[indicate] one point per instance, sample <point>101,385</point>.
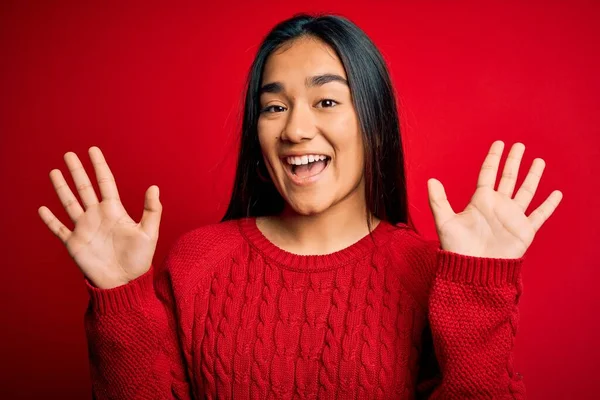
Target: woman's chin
<point>308,207</point>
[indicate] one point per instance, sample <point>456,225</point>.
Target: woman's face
<point>308,129</point>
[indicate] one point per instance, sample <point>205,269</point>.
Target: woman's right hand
<point>109,247</point>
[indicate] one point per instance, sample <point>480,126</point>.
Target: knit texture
<point>228,313</point>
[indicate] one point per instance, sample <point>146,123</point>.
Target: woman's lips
<point>307,180</point>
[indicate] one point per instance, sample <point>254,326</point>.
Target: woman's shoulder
<point>414,259</point>
<point>406,239</point>
<point>197,252</point>
<point>208,241</point>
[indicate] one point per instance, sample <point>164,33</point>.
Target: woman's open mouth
<point>305,169</point>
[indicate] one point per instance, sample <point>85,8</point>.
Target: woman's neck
<point>332,230</point>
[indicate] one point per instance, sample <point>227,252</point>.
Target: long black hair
<point>375,103</point>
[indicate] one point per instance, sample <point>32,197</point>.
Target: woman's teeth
<point>302,160</point>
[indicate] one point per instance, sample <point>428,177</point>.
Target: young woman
<point>315,284</point>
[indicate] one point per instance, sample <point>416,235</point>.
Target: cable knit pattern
<point>230,314</point>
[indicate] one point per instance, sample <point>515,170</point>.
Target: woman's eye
<point>325,103</point>
<point>328,103</point>
<point>269,108</point>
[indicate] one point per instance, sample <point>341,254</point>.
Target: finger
<point>65,195</point>
<point>438,202</point>
<point>81,179</point>
<point>511,170</point>
<point>104,176</point>
<point>528,188</point>
<point>55,226</point>
<point>489,168</point>
<point>545,210</point>
<point>152,212</point>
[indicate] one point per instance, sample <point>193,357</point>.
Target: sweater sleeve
<point>133,340</point>
<point>473,318</point>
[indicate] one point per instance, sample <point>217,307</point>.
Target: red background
<point>158,88</point>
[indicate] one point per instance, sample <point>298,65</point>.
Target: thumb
<point>152,212</point>
<point>438,202</point>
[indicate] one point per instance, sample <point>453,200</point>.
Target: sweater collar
<point>312,263</point>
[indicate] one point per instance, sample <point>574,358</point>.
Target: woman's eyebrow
<point>311,81</point>
<point>319,80</point>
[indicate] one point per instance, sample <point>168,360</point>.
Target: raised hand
<point>494,223</point>
<point>109,247</point>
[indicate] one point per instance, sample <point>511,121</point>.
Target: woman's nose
<point>299,125</point>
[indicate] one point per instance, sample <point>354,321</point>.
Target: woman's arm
<point>473,318</point>
<point>133,340</point>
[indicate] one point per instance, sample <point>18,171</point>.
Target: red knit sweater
<point>230,314</point>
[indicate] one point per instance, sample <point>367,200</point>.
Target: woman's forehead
<point>302,58</point>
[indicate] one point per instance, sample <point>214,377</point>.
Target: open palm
<point>494,223</point>
<point>109,247</point>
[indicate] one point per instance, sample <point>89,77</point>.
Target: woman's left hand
<point>494,224</point>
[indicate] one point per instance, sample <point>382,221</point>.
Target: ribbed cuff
<point>478,270</point>
<point>123,297</point>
